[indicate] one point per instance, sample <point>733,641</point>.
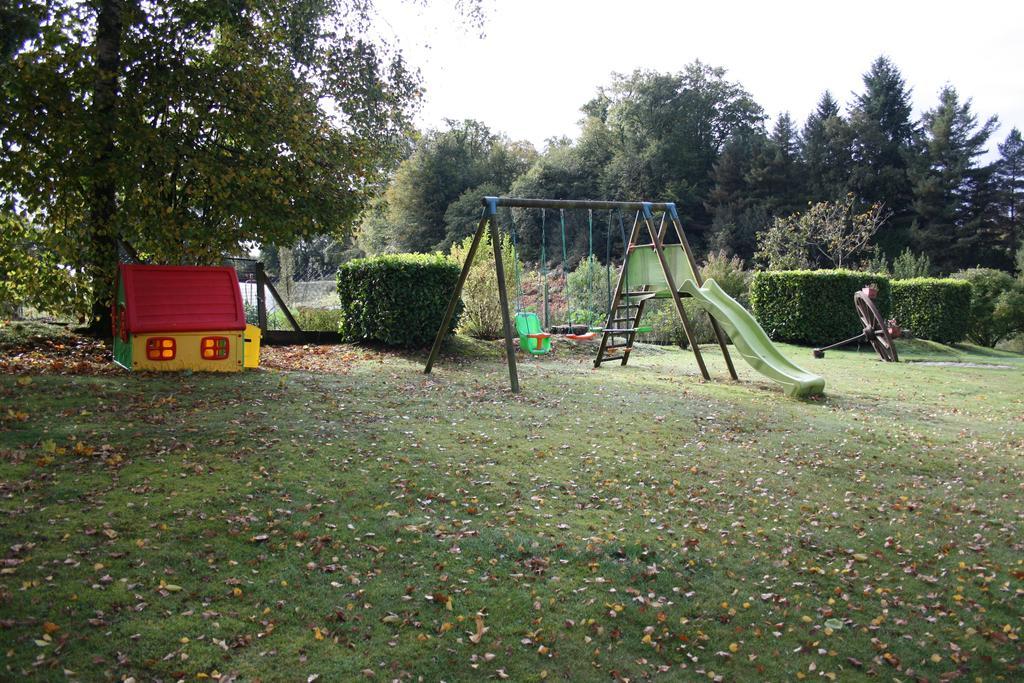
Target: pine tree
<point>825,148</point>
<point>785,171</point>
<point>954,197</point>
<point>884,137</point>
<point>1010,181</point>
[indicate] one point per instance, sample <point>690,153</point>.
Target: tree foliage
<point>827,151</point>
<point>997,305</point>
<point>31,275</point>
<point>481,312</point>
<point>827,234</point>
<point>948,182</point>
<point>882,139</point>
<point>1010,180</point>
<point>188,128</point>
<point>910,265</point>
<point>457,165</point>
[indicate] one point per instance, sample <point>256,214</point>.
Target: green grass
<point>628,522</point>
<point>20,332</point>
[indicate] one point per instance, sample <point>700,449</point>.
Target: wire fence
<point>286,295</point>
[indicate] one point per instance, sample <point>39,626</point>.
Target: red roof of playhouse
<point>181,298</point>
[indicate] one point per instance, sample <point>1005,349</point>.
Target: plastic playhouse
<point>182,318</point>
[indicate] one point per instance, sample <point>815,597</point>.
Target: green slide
<point>751,341</point>
<point>644,269</point>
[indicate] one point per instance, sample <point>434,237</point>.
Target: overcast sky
<point>540,60</point>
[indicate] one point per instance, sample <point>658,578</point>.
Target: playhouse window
<point>160,348</point>
<point>214,348</point>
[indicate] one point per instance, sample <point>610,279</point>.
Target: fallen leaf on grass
<point>480,629</point>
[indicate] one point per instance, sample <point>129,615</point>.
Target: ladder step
<point>622,320</point>
<point>621,330</point>
<point>640,246</point>
<point>634,294</point>
<point>625,348</point>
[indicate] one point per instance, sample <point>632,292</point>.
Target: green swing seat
<point>532,338</point>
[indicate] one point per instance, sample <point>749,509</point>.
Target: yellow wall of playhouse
<point>252,346</point>
<point>188,354</point>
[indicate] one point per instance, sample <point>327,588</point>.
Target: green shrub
<point>320,319</point>
<point>908,265</point>
<point>729,274</point>
<point>932,308</point>
<point>812,306</point>
<point>661,316</point>
<point>396,299</point>
<point>997,305</point>
<point>587,292</point>
<point>481,313</point>
<point>667,329</point>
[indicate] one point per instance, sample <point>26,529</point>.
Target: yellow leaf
<point>734,647</point>
<point>318,634</point>
<point>50,628</point>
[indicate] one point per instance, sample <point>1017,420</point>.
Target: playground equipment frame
<point>644,209</point>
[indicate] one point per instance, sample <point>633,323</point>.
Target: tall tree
<point>954,195</point>
<point>739,202</point>
<point>1010,179</point>
<point>186,128</point>
<point>463,159</point>
<point>883,137</point>
<point>826,151</point>
<point>667,131</point>
<point>784,174</point>
<point>567,171</point>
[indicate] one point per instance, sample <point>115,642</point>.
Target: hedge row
<point>398,299</point>
<point>812,306</point>
<point>933,308</point>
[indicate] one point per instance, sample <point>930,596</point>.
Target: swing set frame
<point>645,218</point>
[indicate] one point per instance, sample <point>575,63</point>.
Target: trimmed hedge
<point>933,308</point>
<point>397,299</point>
<point>812,306</point>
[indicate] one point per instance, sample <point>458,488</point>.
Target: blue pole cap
<point>672,211</point>
<point>646,208</point>
<point>492,205</point>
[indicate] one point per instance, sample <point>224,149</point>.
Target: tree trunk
<point>102,200</point>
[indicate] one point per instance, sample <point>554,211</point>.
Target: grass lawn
<point>375,523</point>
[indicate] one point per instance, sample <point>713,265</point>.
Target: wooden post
<point>499,269</point>
<point>677,224</point>
<point>453,302</point>
<point>283,306</point>
<point>648,218</point>
<point>620,285</point>
<point>261,297</point>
